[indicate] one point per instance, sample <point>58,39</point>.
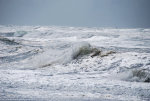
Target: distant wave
<point>8,41</point>
<point>13,34</point>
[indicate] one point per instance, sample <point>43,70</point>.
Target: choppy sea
<point>74,63</point>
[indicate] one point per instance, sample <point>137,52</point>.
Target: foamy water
<point>74,63</point>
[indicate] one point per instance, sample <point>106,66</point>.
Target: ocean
<point>74,63</point>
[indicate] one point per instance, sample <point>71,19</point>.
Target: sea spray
<point>53,56</point>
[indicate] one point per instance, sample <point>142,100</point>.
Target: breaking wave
<point>65,55</point>
<point>136,75</point>
<point>142,75</point>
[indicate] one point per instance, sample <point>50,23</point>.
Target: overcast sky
<point>87,13</point>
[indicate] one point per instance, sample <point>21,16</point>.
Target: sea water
<point>74,63</point>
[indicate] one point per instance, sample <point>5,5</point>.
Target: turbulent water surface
<point>68,63</point>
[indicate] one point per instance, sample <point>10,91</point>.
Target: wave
<point>14,34</point>
<point>7,34</point>
<point>80,50</point>
<point>8,41</point>
<point>75,51</point>
<point>142,75</point>
<point>135,75</point>
<point>20,33</point>
<point>61,56</point>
